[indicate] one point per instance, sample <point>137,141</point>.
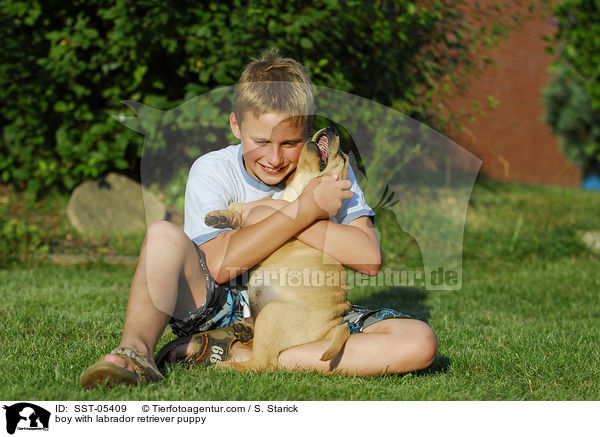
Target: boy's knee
<point>414,345</point>
<point>164,229</point>
<point>426,345</point>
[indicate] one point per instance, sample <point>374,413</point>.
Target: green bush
<point>19,241</point>
<point>66,66</point>
<point>570,113</point>
<point>572,99</point>
<point>578,43</point>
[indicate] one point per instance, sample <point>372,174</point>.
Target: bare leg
<point>387,347</point>
<point>168,280</point>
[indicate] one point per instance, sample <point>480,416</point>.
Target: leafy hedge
<point>572,98</point>
<point>19,241</point>
<point>66,66</point>
<point>578,42</point>
<point>570,113</point>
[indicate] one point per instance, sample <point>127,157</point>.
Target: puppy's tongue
<point>324,147</point>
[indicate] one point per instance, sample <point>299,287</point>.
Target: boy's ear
<point>235,126</point>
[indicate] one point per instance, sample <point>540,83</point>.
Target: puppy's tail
<point>338,335</point>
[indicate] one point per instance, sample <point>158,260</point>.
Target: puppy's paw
<point>222,218</point>
<point>224,366</point>
<point>227,366</point>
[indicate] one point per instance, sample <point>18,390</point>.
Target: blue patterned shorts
<point>224,305</point>
<point>358,318</point>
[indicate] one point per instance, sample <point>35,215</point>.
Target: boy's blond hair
<point>273,83</point>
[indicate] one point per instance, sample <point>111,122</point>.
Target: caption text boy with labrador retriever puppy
<point>183,278</point>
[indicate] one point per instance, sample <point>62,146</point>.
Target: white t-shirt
<point>218,178</point>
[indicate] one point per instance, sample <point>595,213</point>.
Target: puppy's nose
<point>333,130</point>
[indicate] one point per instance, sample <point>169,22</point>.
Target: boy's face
<point>271,144</point>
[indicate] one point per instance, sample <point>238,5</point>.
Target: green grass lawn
<point>526,324</point>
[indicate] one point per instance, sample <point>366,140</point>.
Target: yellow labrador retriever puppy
<point>298,293</point>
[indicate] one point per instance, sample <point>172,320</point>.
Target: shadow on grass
<point>441,364</point>
<point>410,301</point>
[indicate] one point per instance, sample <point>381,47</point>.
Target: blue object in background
<point>591,177</point>
<point>591,182</point>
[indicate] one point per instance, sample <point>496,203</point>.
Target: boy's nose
<point>275,157</point>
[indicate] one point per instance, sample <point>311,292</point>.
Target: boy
<point>182,277</point>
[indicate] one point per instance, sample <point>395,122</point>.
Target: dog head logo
<point>26,416</point>
<point>416,177</point>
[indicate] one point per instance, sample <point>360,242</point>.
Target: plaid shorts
<point>228,303</point>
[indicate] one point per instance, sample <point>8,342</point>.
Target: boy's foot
<point>137,368</point>
<point>205,348</point>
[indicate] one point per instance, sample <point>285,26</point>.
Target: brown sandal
<point>210,347</point>
<point>104,372</point>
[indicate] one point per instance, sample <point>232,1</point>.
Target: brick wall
<point>513,141</point>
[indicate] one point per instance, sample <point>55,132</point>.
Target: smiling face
<point>271,144</point>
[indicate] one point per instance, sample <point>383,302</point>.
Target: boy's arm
<point>230,253</point>
<point>355,245</point>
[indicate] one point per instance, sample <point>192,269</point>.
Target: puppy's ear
<point>290,177</point>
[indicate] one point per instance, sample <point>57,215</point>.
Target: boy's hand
<point>323,196</point>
